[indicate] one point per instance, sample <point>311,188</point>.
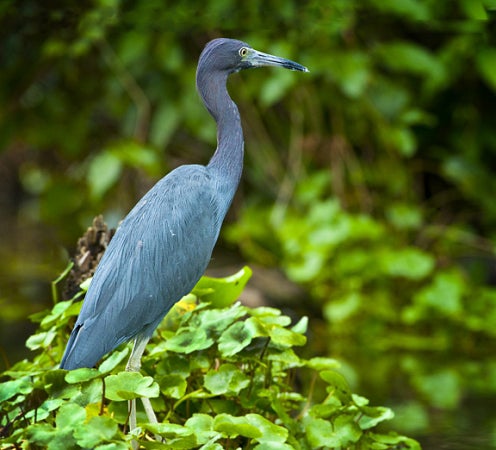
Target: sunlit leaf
<point>80,375</point>
<point>283,336</point>
<point>113,360</point>
<point>222,292</point>
<point>129,385</point>
<point>232,426</point>
<point>41,340</point>
<point>14,387</point>
<point>270,432</point>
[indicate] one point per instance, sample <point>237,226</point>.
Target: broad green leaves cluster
<point>381,292</point>
<point>352,264</point>
<point>380,163</point>
<point>222,376</point>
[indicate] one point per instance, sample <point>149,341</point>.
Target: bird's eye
<point>243,51</point>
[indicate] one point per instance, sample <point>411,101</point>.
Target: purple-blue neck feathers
<point>227,162</point>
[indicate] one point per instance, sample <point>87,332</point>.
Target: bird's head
<point>231,55</point>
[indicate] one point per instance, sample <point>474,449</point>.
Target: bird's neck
<point>227,161</point>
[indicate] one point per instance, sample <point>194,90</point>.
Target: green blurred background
<point>368,196</point>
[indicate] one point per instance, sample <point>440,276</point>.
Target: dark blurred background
<point>368,197</point>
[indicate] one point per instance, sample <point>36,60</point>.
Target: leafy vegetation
<point>219,376</point>
<point>369,182</point>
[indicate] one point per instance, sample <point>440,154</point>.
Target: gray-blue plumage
<point>164,244</point>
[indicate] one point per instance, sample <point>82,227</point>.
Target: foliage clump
<point>219,375</point>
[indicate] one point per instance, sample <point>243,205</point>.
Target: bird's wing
<point>157,255</point>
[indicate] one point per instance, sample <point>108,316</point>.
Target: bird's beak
<point>259,59</point>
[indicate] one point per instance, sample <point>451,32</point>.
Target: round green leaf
<point>188,340</point>
<point>70,415</point>
<point>228,378</point>
<point>232,426</point>
<point>235,339</point>
<point>222,292</point>
<point>80,375</point>
<point>99,429</point>
<point>129,385</point>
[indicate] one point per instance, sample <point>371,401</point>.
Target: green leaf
<point>70,416</point>
<point>202,425</point>
<point>164,123</point>
<point>9,389</point>
<point>217,320</point>
<point>188,340</point>
<point>275,86</point>
<point>342,432</point>
<point>301,327</point>
<point>444,294</point>
<point>411,58</point>
<point>410,263</point>
<point>99,429</point>
<point>271,433</point>
<point>232,427</point>
<point>351,71</point>
<point>51,438</point>
<point>338,386</point>
<point>44,410</point>
<point>411,10</point>
<point>227,379</point>
<point>343,308</point>
<point>393,439</point>
<point>57,311</point>
<point>320,363</point>
<point>172,385</point>
<point>235,339</point>
<point>403,140</point>
<point>129,385</point>
<point>113,446</point>
<point>443,389</point>
<point>486,63</point>
<point>103,173</point>
<point>222,292</point>
<point>90,392</point>
<point>80,375</point>
<point>285,337</point>
<point>273,446</point>
<point>211,446</point>
<point>371,416</point>
<point>41,340</point>
<point>113,360</point>
<point>405,216</point>
<point>168,430</point>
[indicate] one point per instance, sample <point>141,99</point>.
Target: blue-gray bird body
<point>163,246</point>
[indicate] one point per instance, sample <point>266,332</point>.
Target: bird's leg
<point>134,362</point>
<point>134,365</point>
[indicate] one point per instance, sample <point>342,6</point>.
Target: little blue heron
<point>163,246</point>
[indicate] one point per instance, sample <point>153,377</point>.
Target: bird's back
<point>157,255</point>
